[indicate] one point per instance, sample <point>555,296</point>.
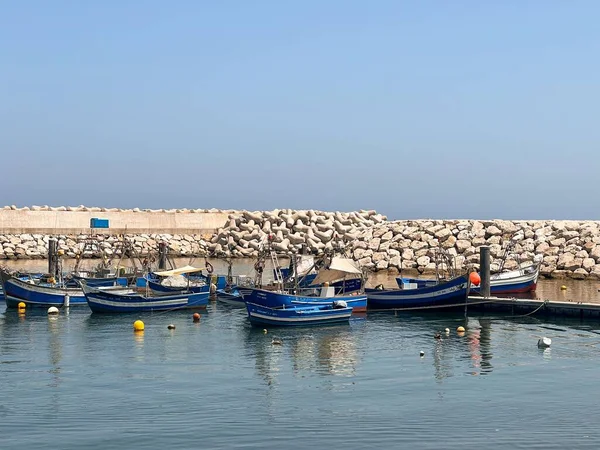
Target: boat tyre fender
<point>209,267</point>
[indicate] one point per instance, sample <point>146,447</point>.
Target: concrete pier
<point>534,307</point>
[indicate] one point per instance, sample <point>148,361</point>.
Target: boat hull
<point>444,295</point>
<point>296,316</point>
<point>513,282</point>
<point>271,299</point>
<point>105,302</point>
<point>232,297</point>
<point>17,291</point>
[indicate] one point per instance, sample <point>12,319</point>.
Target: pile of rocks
<point>570,248</point>
<point>31,246</point>
<point>291,231</point>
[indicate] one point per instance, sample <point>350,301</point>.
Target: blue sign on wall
<point>98,223</point>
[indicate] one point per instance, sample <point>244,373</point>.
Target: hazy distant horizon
<point>462,110</point>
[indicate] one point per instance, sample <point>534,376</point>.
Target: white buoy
<point>53,310</point>
<point>544,342</point>
<point>67,300</point>
<point>447,330</point>
<point>421,353</point>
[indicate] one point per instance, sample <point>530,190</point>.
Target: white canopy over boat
<point>339,269</point>
<point>178,271</point>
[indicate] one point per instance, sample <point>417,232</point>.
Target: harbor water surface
<point>83,380</point>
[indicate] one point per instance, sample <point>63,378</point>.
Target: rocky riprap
<point>568,248</point>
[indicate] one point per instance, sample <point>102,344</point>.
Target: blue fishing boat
<point>175,280</point>
<point>451,293</point>
<point>510,282</point>
<point>231,296</point>
<point>274,299</point>
<point>335,269</point>
<point>38,293</point>
<point>334,312</point>
<point>102,301</point>
<point>305,271</point>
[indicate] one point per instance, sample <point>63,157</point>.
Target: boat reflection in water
<point>329,351</point>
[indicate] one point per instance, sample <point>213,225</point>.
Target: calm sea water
<point>83,380</point>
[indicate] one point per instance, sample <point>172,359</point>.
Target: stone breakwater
<point>568,248</point>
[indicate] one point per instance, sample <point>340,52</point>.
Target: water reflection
<point>330,351</point>
<point>54,350</point>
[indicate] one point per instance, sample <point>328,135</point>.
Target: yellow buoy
<point>21,305</point>
<point>563,288</point>
<point>460,330</point>
<point>138,325</point>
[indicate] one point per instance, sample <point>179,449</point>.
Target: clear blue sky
<point>441,109</point>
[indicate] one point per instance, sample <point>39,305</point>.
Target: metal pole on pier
<point>484,270</point>
<point>52,258</point>
<point>162,255</point>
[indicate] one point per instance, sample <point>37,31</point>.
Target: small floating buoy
<point>196,317</point>
<point>460,329</point>
<point>474,278</point>
<point>447,330</point>
<point>21,305</point>
<point>265,331</point>
<point>276,342</point>
<point>421,353</point>
<point>53,310</point>
<point>437,336</point>
<point>544,342</point>
<point>563,288</point>
<point>138,325</point>
<point>171,326</point>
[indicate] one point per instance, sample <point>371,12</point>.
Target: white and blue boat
<point>336,269</point>
<point>334,312</point>
<point>103,301</point>
<point>511,282</point>
<point>175,280</point>
<point>232,296</point>
<point>36,293</point>
<point>443,295</point>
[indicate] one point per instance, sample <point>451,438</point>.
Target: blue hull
<point>231,297</point>
<point>443,295</point>
<point>296,316</point>
<point>17,291</point>
<point>104,302</point>
<point>275,299</point>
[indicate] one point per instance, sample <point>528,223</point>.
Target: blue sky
<point>418,109</point>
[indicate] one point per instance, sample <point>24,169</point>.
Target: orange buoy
<point>196,317</point>
<point>474,278</point>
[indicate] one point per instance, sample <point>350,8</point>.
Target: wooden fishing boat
<point>333,269</point>
<point>102,301</point>
<point>296,315</point>
<point>38,293</point>
<point>175,280</point>
<point>443,295</point>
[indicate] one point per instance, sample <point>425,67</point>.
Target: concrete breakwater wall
<point>568,248</point>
